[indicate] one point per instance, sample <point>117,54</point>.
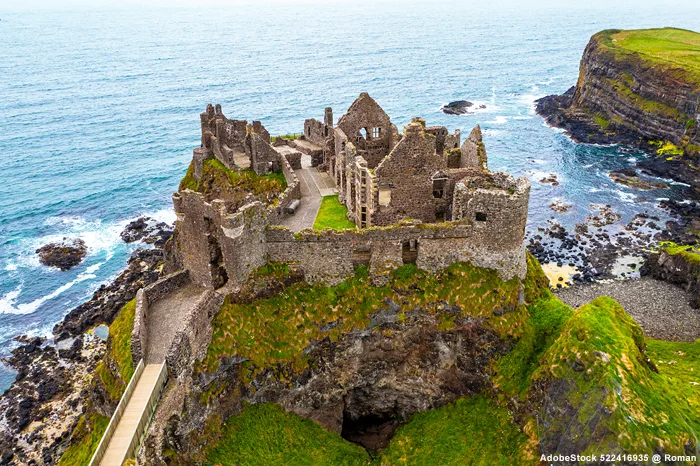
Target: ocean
<point>99,111</point>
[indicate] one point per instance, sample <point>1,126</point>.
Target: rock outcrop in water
<point>64,254</point>
<point>641,89</point>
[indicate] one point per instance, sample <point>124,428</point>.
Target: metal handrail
<point>116,417</point>
<point>147,413</point>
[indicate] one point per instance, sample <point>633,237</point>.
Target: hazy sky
<point>20,5</point>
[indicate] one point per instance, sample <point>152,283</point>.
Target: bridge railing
<point>117,416</point>
<point>148,412</point>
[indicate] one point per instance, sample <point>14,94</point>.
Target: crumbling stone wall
<point>366,116</point>
<point>235,143</point>
<point>407,171</point>
<point>330,256</point>
<point>218,246</point>
<point>264,158</point>
<point>276,213</point>
<point>316,131</point>
<point>473,151</point>
<point>493,202</point>
<point>144,297</point>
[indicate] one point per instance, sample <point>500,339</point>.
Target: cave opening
<point>372,432</point>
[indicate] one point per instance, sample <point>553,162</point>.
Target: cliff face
<point>637,88</point>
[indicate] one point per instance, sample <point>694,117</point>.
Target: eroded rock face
<point>362,386</point>
<point>677,269</point>
<point>621,99</point>
<point>64,254</point>
<point>368,383</point>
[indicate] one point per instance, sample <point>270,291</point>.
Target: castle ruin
<point>419,197</point>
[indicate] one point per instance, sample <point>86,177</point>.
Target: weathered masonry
<point>421,196</point>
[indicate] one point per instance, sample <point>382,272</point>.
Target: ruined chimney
<point>328,117</point>
<point>413,129</point>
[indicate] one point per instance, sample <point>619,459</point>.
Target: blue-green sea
<point>99,110</point>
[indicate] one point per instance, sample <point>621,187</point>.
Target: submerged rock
<point>629,177</point>
<point>64,254</point>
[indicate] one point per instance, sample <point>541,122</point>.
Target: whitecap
<point>556,129</point>
<point>522,117</point>
<point>499,120</point>
<point>625,196</point>
<point>11,266</point>
<point>164,215</point>
<point>8,303</point>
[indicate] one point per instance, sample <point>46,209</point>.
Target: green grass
<point>332,214</point>
<point>691,254</point>
<point>85,439</point>
<point>219,182</point>
<point>601,121</point>
<point>470,431</point>
<point>262,331</point>
<point>288,137</point>
<point>117,367</point>
<point>664,47</point>
<point>616,397</point>
<point>547,317</point>
<point>266,435</point>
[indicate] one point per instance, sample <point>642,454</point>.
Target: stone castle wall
<point>316,131</point>
<point>330,256</point>
<point>144,297</point>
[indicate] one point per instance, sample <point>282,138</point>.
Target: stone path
<point>124,434</point>
<point>661,309</point>
<point>165,317</point>
<point>314,185</point>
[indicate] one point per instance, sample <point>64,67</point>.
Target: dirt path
<point>165,318</point>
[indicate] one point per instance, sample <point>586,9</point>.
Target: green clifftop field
<point>664,47</point>
<point>638,88</point>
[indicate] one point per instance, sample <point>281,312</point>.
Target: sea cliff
<point>638,88</point>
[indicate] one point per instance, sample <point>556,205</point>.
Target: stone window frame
<point>376,132</point>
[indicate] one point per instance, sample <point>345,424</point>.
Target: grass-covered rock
<point>637,88</point>
<point>233,185</point>
<point>677,264</point>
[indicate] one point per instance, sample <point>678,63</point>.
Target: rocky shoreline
<point>52,389</point>
<point>640,100</point>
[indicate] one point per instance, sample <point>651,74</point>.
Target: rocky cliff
<point>638,88</point>
<point>445,368</point>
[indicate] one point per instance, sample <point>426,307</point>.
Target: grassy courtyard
<point>332,214</point>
